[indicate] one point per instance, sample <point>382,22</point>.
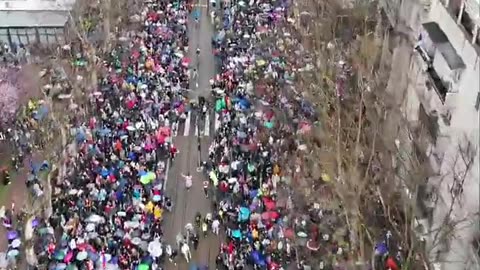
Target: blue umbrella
<point>93,256</point>
<point>243,214</point>
<point>104,132</point>
<point>381,249</point>
<point>12,235</point>
<point>244,104</point>
<point>258,258</point>
<point>237,234</point>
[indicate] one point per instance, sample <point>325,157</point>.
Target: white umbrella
<point>90,227</point>
<point>72,192</point>
<point>136,241</point>
<point>131,128</point>
<point>155,248</point>
<point>95,219</point>
<point>16,243</point>
<point>13,253</point>
<point>3,260</point>
<point>82,256</point>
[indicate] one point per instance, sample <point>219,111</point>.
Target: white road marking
<point>167,169</point>
<point>217,121</point>
<point>206,131</point>
<point>186,131</point>
<point>196,128</point>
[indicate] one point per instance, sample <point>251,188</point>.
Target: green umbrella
<point>143,267</point>
<point>269,125</point>
<point>251,168</point>
<point>147,178</point>
<point>218,105</point>
<point>59,255</point>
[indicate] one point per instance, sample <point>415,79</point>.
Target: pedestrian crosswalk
<point>197,125</point>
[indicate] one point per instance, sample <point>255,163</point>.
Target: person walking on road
<point>188,181</point>
<point>205,188</point>
<point>215,226</point>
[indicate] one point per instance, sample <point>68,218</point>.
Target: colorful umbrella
<point>147,178</point>
<point>143,267</point>
<point>12,235</point>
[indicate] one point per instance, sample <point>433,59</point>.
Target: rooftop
<point>34,13</point>
<point>35,5</point>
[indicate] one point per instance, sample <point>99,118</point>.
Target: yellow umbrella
<point>214,178</point>
<point>261,62</point>
<point>147,178</point>
<point>326,177</point>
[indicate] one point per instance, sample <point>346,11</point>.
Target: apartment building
<point>443,98</point>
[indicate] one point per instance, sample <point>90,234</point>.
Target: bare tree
<point>363,142</point>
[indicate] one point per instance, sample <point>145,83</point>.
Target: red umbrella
<point>165,131</point>
<point>186,61</point>
<point>305,127</point>
<point>269,204</point>
<point>289,233</point>
<point>270,215</point>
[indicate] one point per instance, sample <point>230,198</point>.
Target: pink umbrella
<point>186,61</point>
<point>304,127</point>
<point>270,215</point>
<point>68,257</point>
<point>269,204</point>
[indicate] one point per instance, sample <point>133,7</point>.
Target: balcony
<point>460,22</point>
<point>444,66</point>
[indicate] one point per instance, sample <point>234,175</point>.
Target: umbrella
<point>136,241</point>
<point>90,227</point>
<point>269,204</point>
<point>12,235</point>
<point>155,248</point>
<point>270,215</point>
<point>3,260</point>
<point>16,243</point>
<point>147,178</point>
<point>258,258</point>
<point>81,256</point>
<point>60,266</point>
<point>13,253</point>
<point>93,255</point>
<point>95,219</point>
<point>244,214</point>
<point>269,124</point>
<point>35,223</point>
<point>143,267</point>
<point>59,255</point>
<point>313,245</point>
<point>186,61</point>
<point>156,198</point>
<point>237,234</point>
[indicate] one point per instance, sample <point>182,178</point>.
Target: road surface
<point>188,203</point>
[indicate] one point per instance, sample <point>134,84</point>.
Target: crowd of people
<point>109,206</point>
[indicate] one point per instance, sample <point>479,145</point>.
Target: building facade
<point>443,98</point>
<point>33,21</point>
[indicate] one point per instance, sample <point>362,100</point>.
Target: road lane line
<point>196,128</point>
<point>206,131</point>
<point>217,121</point>
<point>186,131</point>
<point>167,169</point>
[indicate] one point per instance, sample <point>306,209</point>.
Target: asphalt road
<point>188,203</point>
